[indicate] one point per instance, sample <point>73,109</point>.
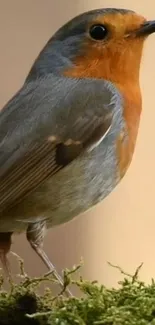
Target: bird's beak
<point>146,29</point>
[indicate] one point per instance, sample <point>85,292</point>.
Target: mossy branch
<point>133,303</point>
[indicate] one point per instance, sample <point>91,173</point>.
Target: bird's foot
<point>52,270</point>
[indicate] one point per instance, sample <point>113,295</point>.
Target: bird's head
<point>103,43</point>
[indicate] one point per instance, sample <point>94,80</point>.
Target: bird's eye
<point>98,32</point>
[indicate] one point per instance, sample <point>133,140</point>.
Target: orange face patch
<point>121,25</point>
<point>115,58</point>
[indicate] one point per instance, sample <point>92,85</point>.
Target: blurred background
<point>122,228</point>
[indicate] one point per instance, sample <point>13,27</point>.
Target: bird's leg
<point>5,245</point>
<point>35,236</point>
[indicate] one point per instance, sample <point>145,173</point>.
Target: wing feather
<point>47,125</point>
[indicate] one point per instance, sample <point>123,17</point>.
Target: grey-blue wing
<point>47,125</point>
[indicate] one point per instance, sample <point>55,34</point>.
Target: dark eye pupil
<point>98,32</point>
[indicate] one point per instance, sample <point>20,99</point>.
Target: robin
<point>68,135</point>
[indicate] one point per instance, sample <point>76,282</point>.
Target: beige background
<point>122,228</point>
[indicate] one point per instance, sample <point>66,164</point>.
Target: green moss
<point>132,303</point>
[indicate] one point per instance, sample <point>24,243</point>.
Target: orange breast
<point>129,88</point>
<point>132,112</point>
